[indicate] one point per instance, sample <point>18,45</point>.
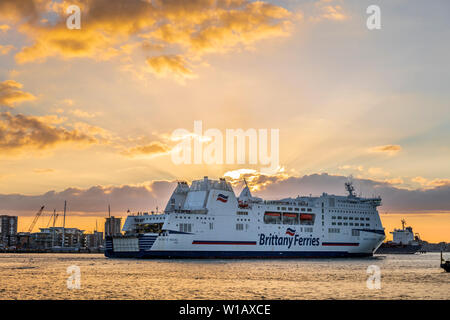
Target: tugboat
<point>404,242</point>
<point>445,264</point>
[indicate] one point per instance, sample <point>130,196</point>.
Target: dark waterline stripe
<point>224,242</point>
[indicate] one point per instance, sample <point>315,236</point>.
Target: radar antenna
<point>350,188</point>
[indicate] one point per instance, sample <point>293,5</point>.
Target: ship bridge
<point>202,196</point>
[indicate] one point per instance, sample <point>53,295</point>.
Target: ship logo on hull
<point>290,231</point>
<point>222,197</point>
<point>294,239</point>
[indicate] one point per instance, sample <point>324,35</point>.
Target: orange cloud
<point>5,49</point>
<point>83,114</point>
<point>389,149</point>
<point>329,10</point>
<point>333,13</point>
<point>425,183</point>
<point>255,180</point>
<point>11,10</point>
<point>151,149</point>
<point>10,93</point>
<point>4,27</point>
<point>20,133</point>
<point>61,42</point>
<point>188,28</point>
<point>170,65</point>
<point>394,181</point>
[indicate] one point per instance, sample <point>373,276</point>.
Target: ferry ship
<point>404,242</point>
<point>206,220</point>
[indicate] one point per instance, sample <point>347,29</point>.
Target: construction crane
<point>38,214</point>
<point>54,216</point>
<point>54,220</point>
<point>51,217</point>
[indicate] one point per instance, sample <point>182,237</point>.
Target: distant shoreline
<point>48,251</point>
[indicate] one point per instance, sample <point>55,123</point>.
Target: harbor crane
<point>54,216</point>
<point>54,220</point>
<point>38,214</point>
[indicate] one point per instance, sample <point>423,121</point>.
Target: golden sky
<point>87,114</point>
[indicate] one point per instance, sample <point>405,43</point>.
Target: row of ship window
<point>350,211</point>
<point>349,218</point>
<point>197,218</point>
<point>349,224</point>
<point>187,227</point>
<point>151,218</point>
<point>294,209</point>
<point>337,230</point>
<point>352,205</point>
<point>240,227</point>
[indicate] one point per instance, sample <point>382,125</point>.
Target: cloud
<point>5,49</point>
<point>333,13</point>
<point>426,183</point>
<point>393,198</point>
<point>377,172</point>
<point>329,10</point>
<point>389,149</point>
<point>351,167</point>
<point>11,93</point>
<point>151,149</point>
<point>4,27</point>
<point>20,133</point>
<point>68,102</point>
<point>165,66</point>
<point>395,181</point>
<point>83,114</point>
<point>13,10</point>
<point>186,29</point>
<point>147,195</point>
<point>255,179</point>
<point>95,199</point>
<point>236,174</point>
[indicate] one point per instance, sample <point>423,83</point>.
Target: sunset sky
<point>87,115</point>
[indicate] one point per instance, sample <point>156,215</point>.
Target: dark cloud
<point>22,9</point>
<point>95,200</point>
<point>394,199</point>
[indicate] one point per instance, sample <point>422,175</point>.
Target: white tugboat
<point>206,220</point>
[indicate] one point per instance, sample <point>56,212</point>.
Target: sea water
<point>45,276</point>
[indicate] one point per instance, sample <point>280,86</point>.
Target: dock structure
<point>445,264</point>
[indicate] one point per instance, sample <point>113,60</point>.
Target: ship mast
<point>64,225</point>
<point>350,189</point>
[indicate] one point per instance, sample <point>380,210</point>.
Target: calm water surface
<point>43,276</point>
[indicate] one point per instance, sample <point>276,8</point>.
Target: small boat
<point>445,264</point>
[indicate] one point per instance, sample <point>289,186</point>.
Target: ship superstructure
<point>404,241</point>
<point>207,220</point>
